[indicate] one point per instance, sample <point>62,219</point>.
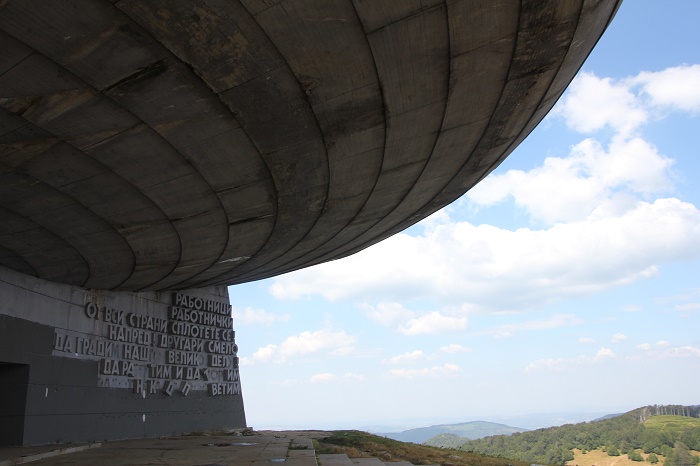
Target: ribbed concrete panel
<point>178,143</point>
<point>565,26</point>
<point>28,244</point>
<point>331,59</point>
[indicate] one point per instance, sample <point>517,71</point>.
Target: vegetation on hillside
<point>454,435</point>
<point>648,429</point>
<point>446,441</point>
<point>358,444</point>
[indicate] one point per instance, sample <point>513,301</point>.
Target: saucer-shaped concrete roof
<point>168,144</point>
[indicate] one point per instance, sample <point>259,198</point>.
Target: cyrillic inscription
<point>190,348</point>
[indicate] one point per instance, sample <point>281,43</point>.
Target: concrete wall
<point>81,365</point>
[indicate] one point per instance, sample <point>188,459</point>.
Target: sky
<point>568,281</point>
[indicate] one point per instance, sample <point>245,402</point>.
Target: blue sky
<point>567,281</point>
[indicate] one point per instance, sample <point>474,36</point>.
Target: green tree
<point>634,456</point>
<point>681,456</point>
<point>652,458</point>
<point>613,451</point>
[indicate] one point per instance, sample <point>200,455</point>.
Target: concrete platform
<point>289,448</point>
<point>284,448</point>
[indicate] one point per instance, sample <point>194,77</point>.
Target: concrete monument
<point>153,153</point>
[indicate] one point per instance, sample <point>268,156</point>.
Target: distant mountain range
<point>466,430</point>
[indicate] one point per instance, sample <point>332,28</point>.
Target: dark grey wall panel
<point>78,365</point>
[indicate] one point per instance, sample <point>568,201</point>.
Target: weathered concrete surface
<point>173,144</point>
<point>264,447</point>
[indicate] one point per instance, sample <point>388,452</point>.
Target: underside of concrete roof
<point>171,144</point>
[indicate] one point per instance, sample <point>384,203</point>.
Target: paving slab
<point>261,448</point>
<point>334,459</point>
<point>368,462</point>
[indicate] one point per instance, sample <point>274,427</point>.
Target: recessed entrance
<point>13,401</point>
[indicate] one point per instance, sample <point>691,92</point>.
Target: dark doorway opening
<point>14,379</point>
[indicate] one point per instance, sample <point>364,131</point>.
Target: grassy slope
<point>358,444</point>
<point>664,422</point>
<point>671,422</point>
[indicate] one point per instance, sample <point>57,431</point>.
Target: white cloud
<point>436,371</point>
<point>558,364</point>
<point>490,268</point>
<point>562,364</point>
<point>592,103</point>
<point>677,87</point>
<point>664,350</point>
<point>687,308</point>
<point>410,356</point>
<point>591,179</point>
<point>684,351</point>
<point>586,340</point>
<point>250,316</point>
<point>387,314</point>
<point>327,341</point>
<point>555,321</point>
<point>433,323</point>
<point>325,377</point>
<point>329,377</point>
<point>631,308</point>
<point>410,322</point>
<point>604,353</point>
<point>618,337</point>
<point>454,348</point>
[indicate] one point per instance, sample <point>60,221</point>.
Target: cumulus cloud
<point>325,377</point>
<point>684,351</point>
<point>405,357</point>
<point>604,353</point>
<point>409,322</point>
<point>454,348</point>
<point>562,364</point>
<point>591,179</point>
<point>387,314</point>
<point>687,309</point>
<point>618,337</point>
<point>250,316</point>
<point>485,267</point>
<point>435,371</point>
<point>592,103</point>
<point>555,321</point>
<point>552,364</point>
<point>677,87</point>
<point>631,308</point>
<point>665,350</point>
<point>433,323</point>
<point>326,341</point>
<point>329,377</point>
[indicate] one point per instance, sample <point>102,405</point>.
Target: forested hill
<point>667,432</point>
<point>463,431</point>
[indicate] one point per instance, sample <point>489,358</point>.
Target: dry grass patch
<point>601,458</point>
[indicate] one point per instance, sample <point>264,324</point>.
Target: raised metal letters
<point>189,349</point>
